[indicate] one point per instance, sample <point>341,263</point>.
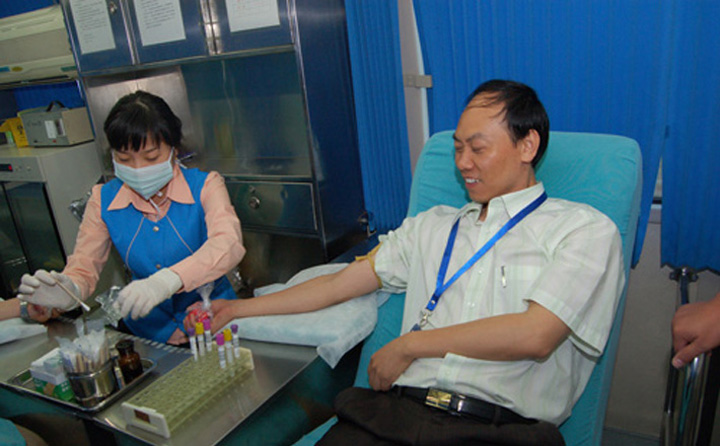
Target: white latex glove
<point>141,296</point>
<point>42,289</point>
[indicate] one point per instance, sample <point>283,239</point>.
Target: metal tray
<point>23,382</point>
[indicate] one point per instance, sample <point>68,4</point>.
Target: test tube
<point>220,339</point>
<point>227,338</point>
<point>235,340</point>
<point>208,335</point>
<point>193,345</point>
<point>235,335</point>
<point>199,330</point>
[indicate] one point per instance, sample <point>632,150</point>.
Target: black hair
<point>139,116</point>
<point>522,108</point>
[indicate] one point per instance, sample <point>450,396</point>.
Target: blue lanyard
<point>441,285</point>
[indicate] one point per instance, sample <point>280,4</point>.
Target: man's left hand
<point>388,363</point>
<point>42,314</point>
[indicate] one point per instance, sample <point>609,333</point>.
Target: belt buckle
<point>438,399</point>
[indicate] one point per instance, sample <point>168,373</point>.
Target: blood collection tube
<point>227,338</point>
<point>193,344</point>
<point>235,335</point>
<point>220,339</point>
<point>199,330</point>
<point>208,335</point>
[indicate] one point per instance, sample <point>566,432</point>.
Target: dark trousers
<point>366,417</point>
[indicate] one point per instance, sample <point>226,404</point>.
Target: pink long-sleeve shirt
<point>222,251</point>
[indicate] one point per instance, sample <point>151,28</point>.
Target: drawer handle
<point>254,202</point>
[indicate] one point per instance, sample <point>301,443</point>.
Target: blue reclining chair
<point>604,171</point>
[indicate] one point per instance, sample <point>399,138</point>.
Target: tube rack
<point>161,407</point>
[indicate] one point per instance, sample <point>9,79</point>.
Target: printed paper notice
<point>159,21</point>
<point>92,25</point>
<point>252,14</point>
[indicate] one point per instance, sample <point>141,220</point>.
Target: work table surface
<point>275,366</point>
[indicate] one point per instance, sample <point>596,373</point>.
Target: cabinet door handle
<point>254,202</point>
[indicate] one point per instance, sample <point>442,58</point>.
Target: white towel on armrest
<point>333,330</point>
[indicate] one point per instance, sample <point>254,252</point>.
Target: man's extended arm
<point>533,334</point>
<point>355,280</point>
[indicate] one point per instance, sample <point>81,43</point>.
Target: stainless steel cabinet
<point>28,237</point>
<point>165,30</point>
<point>274,114</point>
<point>98,34</point>
<point>109,34</point>
<point>229,36</point>
<point>37,186</point>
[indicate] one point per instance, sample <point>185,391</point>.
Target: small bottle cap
<point>191,332</point>
<point>199,329</point>
<point>125,346</point>
<point>220,339</point>
<point>206,324</point>
<point>227,334</point>
<point>234,328</point>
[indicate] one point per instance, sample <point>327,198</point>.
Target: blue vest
<point>157,245</point>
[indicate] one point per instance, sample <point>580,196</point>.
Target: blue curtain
<point>691,161</point>
<point>597,66</point>
<point>374,41</point>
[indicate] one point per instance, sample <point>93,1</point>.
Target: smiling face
<point>486,156</point>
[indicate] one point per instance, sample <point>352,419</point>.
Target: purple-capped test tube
<point>235,335</point>
<point>220,339</point>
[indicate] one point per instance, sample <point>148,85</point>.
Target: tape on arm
<point>370,257</point>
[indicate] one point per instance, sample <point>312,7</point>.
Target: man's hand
<point>224,311</point>
<point>42,314</point>
<point>695,330</point>
<point>388,363</point>
<point>223,308</point>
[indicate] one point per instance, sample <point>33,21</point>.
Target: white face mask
<point>148,180</point>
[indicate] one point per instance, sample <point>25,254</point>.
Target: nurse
<point>174,227</point>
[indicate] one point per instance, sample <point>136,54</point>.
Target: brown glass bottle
<point>128,360</point>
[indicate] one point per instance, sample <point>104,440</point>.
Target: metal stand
<point>692,391</point>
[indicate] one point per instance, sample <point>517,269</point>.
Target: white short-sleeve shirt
<point>564,256</point>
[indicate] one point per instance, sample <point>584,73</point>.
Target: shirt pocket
<point>514,285</point>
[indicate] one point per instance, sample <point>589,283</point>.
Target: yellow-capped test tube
<point>199,331</point>
<point>227,334</point>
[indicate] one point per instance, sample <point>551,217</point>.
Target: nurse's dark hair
<point>522,108</point>
<point>140,116</point>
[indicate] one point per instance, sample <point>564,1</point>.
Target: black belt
<point>462,405</point>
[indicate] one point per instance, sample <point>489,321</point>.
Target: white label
<point>92,25</point>
<point>54,128</point>
<point>159,21</point>
<point>252,14</point>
